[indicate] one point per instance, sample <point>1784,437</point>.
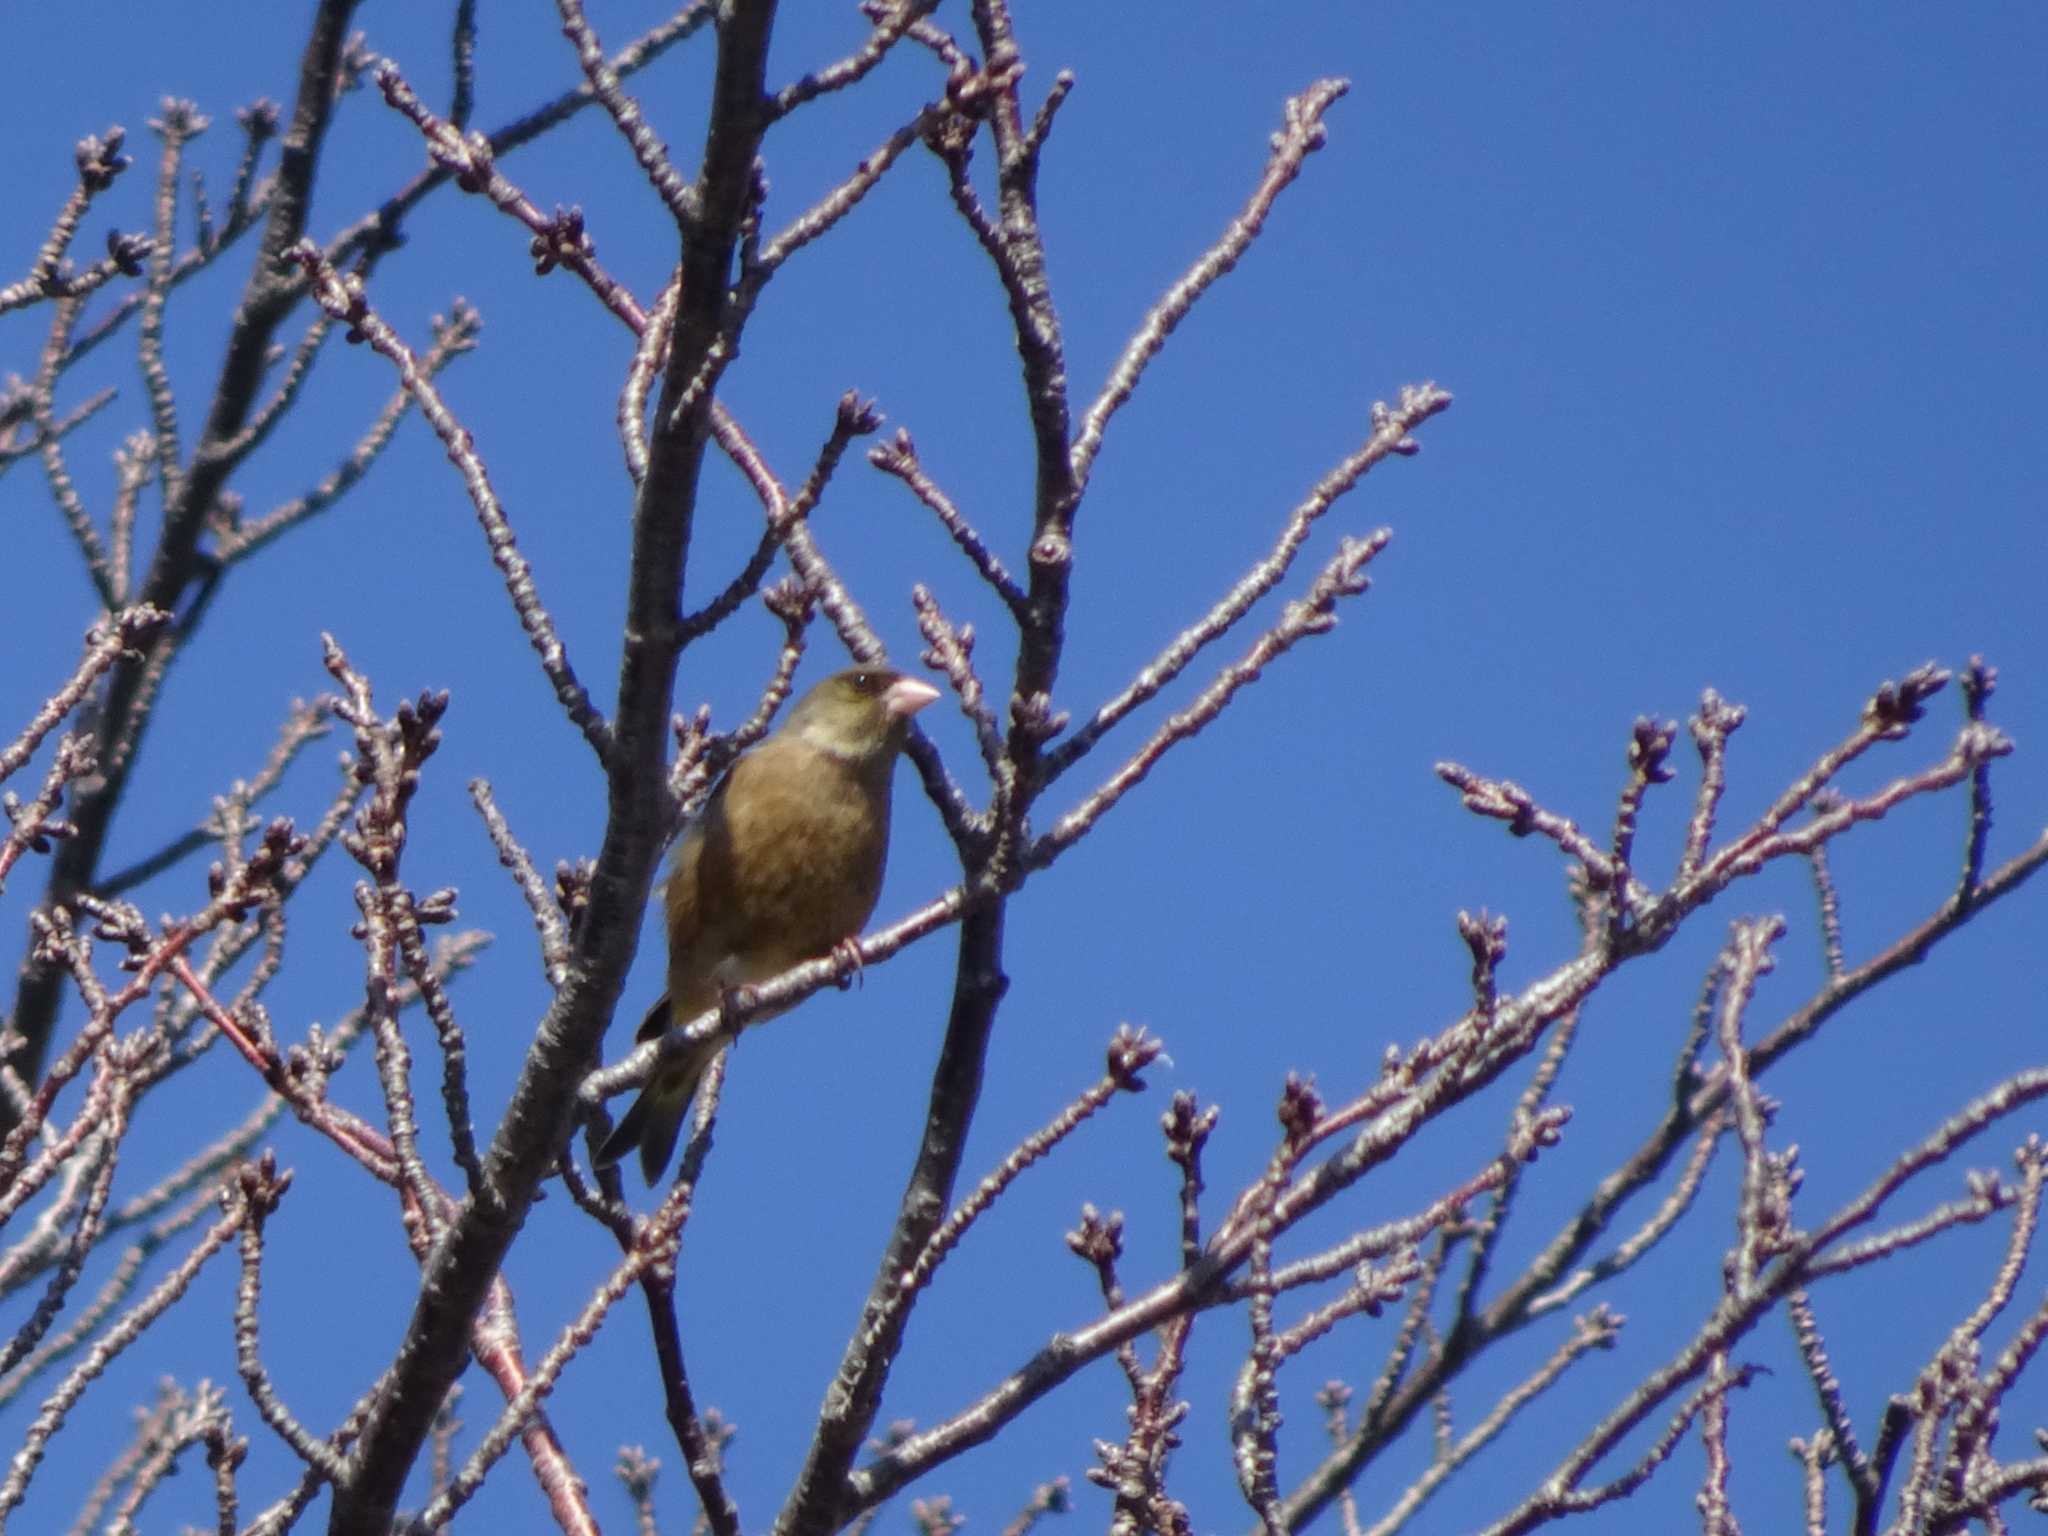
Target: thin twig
<point>343,298</point>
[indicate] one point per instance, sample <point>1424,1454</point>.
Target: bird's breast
<point>786,862</point>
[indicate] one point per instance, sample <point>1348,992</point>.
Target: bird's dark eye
<point>867,682</point>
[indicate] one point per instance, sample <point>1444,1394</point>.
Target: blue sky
<point>1742,310</point>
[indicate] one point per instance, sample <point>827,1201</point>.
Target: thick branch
<point>541,1114</point>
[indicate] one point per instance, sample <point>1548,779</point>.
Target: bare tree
<point>91,1058</point>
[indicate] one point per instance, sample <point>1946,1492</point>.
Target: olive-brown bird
<point>784,865</point>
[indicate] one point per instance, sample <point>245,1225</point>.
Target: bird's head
<point>861,714</point>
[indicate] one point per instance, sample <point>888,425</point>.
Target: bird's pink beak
<point>906,696</point>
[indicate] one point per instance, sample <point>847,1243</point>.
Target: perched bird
<point>784,864</point>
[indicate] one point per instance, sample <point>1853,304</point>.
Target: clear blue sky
<point>1743,310</point>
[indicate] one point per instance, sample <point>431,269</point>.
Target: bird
<point>784,865</point>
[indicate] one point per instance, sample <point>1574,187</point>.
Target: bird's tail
<point>656,1118</point>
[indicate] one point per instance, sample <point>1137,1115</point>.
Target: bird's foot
<point>732,1001</point>
<point>846,955</point>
